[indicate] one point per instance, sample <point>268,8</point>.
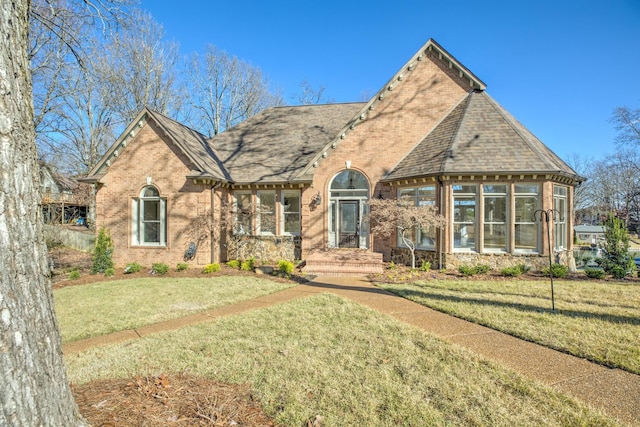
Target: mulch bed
<point>168,400</point>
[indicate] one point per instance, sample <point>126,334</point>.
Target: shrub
<point>468,270</point>
<point>211,268</point>
<point>234,263</point>
<point>109,272</point>
<point>132,267</point>
<point>248,264</point>
<point>286,267</point>
<point>594,273</point>
<point>513,271</point>
<point>618,272</point>
<point>159,268</point>
<point>557,270</point>
<point>102,252</point>
<point>74,274</point>
<point>392,266</point>
<point>482,268</point>
<point>425,266</point>
<point>616,259</point>
<point>182,266</point>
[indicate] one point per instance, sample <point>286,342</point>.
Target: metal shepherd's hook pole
<point>540,215</point>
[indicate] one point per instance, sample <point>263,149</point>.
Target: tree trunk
<point>33,382</point>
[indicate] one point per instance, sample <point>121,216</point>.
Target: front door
<point>349,223</point>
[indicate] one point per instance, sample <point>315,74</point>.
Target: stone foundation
<point>495,261</point>
<point>265,248</point>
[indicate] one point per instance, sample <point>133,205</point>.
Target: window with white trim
<point>243,212</point>
<point>149,218</point>
<point>495,225</point>
<point>266,213</point>
<point>420,196</point>
<point>560,218</point>
<point>464,217</point>
<point>526,228</point>
<point>290,213</point>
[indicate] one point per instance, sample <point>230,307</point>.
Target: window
<point>420,196</point>
<point>494,199</point>
<point>149,218</point>
<point>266,213</point>
<point>526,228</point>
<point>560,217</point>
<point>291,213</point>
<point>243,211</point>
<point>464,217</point>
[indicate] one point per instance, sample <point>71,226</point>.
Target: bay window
<point>420,196</point>
<point>560,216</point>
<point>464,217</point>
<point>495,217</point>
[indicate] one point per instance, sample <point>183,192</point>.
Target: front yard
<point>595,320</point>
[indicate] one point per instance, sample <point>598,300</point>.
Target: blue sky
<point>559,66</point>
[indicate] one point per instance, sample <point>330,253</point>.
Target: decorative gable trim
<point>431,47</point>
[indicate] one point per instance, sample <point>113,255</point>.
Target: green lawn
<point>596,320</point>
<point>101,308</point>
<point>323,355</point>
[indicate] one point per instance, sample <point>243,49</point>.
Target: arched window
<point>149,218</point>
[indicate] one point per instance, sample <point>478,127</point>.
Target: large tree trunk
<point>33,383</point>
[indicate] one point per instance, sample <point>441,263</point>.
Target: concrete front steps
<point>343,262</point>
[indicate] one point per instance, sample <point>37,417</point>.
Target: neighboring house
<point>298,179</point>
<point>589,234</point>
<point>64,200</point>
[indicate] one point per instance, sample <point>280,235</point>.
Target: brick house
<point>296,180</point>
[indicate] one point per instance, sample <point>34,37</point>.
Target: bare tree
<point>139,68</point>
<point>309,95</point>
<point>34,385</point>
<point>224,91</point>
<point>627,123</point>
<point>389,216</point>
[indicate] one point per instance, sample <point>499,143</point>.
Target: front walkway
<point>613,391</point>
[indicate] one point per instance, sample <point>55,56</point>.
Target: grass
<point>599,321</point>
<point>101,308</point>
<point>323,355</point>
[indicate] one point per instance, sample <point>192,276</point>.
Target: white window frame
<point>474,223</point>
<point>138,223</point>
<point>260,215</point>
<point>284,213</point>
<point>527,221</point>
<point>236,223</point>
<point>560,240</point>
<point>506,223</point>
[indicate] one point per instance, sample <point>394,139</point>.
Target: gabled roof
<point>478,136</point>
<point>191,143</point>
<point>276,144</point>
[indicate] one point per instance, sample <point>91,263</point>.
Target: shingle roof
<point>194,145</point>
<point>479,136</point>
<point>276,144</point>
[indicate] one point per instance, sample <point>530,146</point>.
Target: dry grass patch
<point>101,308</point>
<point>324,357</point>
<point>599,321</point>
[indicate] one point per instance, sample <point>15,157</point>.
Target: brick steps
<point>343,262</point>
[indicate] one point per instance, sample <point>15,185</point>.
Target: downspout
<point>440,231</point>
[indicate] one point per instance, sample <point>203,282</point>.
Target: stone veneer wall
<point>496,261</point>
<point>267,248</point>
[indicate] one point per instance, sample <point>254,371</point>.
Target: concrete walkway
<point>613,391</point>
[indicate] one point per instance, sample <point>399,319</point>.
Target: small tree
<point>403,216</point>
<point>102,252</point>
<point>616,260</point>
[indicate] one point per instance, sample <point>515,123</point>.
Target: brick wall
<point>405,115</point>
<point>151,155</point>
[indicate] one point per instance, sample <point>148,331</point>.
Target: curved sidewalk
<point>613,391</point>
